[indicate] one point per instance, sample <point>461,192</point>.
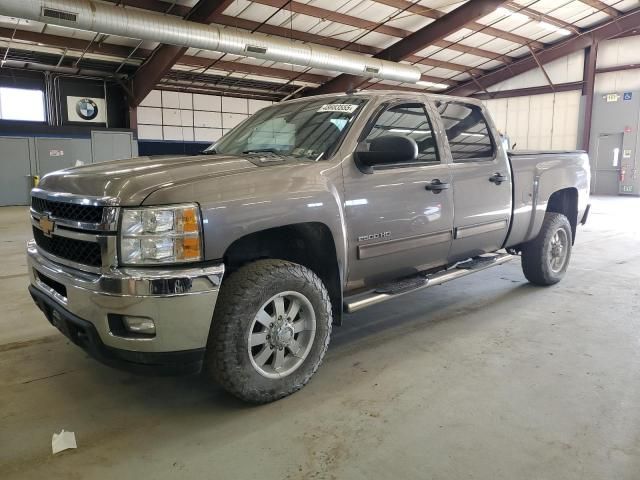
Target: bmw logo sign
<point>87,109</point>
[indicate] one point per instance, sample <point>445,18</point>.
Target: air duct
<point>110,19</point>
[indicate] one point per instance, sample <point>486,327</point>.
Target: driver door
<point>398,223</point>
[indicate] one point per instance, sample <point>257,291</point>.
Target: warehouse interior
<point>486,377</point>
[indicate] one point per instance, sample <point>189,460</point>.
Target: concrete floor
<point>484,378</point>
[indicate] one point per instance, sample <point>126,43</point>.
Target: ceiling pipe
<point>144,25</point>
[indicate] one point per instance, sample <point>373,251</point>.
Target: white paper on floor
<point>63,441</point>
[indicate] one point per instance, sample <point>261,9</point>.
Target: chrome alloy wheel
<point>558,249</point>
<point>282,334</point>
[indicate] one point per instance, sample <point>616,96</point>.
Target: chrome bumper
<point>179,301</point>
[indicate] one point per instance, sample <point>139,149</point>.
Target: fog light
<point>141,325</point>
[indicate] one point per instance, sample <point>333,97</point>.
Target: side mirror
<point>387,150</point>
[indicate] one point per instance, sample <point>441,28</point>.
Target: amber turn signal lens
<point>190,220</point>
<point>190,248</point>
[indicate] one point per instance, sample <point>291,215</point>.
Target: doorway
<point>606,174</point>
<point>15,180</point>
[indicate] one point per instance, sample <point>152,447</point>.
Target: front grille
<point>78,251</point>
<point>68,211</point>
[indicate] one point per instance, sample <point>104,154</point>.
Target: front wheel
<point>546,258</point>
<point>270,330</point>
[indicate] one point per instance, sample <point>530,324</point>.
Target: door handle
<point>498,179</point>
<point>436,186</point>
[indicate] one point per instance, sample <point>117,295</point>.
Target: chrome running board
<point>422,281</point>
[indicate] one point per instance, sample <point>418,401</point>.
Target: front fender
<point>249,202</point>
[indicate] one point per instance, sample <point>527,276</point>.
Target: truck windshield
<point>309,130</point>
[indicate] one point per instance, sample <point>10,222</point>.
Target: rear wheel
<point>270,330</point>
<point>546,258</point>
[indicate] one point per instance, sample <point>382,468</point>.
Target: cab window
<point>408,119</point>
<point>468,132</point>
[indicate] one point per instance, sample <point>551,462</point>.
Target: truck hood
<point>131,181</point>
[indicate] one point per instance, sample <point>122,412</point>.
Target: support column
<point>590,62</point>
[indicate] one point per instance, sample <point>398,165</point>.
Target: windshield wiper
<point>264,150</point>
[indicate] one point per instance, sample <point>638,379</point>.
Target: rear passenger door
<point>481,180</point>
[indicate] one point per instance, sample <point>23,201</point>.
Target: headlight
<point>156,235</point>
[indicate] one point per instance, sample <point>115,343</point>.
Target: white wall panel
<point>154,99</point>
<point>617,82</point>
<point>518,121</point>
<point>564,70</point>
<point>539,122</point>
<point>185,100</point>
<point>178,116</point>
<point>170,99</point>
<point>186,118</point>
<point>498,109</point>
<point>150,132</point>
<point>209,103</point>
<point>172,133</point>
<point>171,116</point>
<point>566,121</point>
<point>150,115</point>
<point>255,105</point>
<point>623,51</point>
<point>207,119</point>
<point>230,120</point>
<point>235,105</point>
<point>207,134</point>
<point>187,134</point>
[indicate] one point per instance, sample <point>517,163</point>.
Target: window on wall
<point>411,120</point>
<point>467,131</point>
<point>22,104</point>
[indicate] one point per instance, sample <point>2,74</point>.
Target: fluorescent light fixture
<point>553,28</point>
<point>476,135</point>
<point>440,86</point>
<point>505,12</point>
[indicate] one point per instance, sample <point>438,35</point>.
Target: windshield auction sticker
<point>338,107</point>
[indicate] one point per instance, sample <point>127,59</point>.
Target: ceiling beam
<point>623,23</point>
<point>427,12</point>
<point>166,56</point>
<point>451,22</point>
<point>529,91</point>
<point>603,7</point>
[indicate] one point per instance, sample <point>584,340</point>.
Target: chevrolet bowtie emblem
<point>47,225</point>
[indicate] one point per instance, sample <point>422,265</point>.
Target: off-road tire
<point>536,259</point>
<point>241,296</point>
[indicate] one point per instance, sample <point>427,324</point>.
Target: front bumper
<point>88,309</point>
